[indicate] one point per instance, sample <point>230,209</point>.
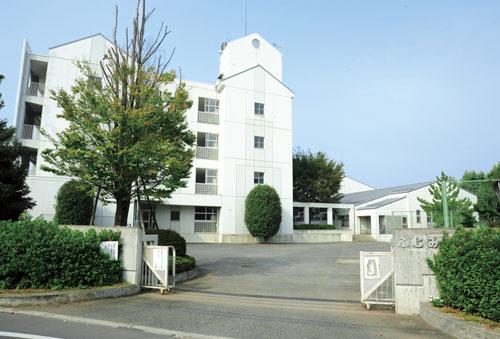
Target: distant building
<point>243,125</point>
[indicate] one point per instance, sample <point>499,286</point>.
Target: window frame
<point>258,108</point>
<point>208,105</point>
<point>258,177</point>
<point>209,213</point>
<point>258,142</point>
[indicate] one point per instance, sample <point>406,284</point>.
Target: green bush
<point>313,227</point>
<point>40,254</point>
<point>263,211</point>
<point>170,238</point>
<point>74,204</point>
<point>185,263</point>
<point>467,268</point>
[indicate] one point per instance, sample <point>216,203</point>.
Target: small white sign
<point>160,259</point>
<point>110,247</point>
<point>372,267</point>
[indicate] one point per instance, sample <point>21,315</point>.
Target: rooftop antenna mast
<point>245,17</point>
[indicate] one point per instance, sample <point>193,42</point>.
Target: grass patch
<point>48,290</point>
<point>313,227</point>
<point>470,317</point>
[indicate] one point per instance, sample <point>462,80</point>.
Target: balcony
<point>205,226</point>
<point>36,89</point>
<point>201,188</point>
<point>208,118</point>
<point>31,132</point>
<point>207,153</point>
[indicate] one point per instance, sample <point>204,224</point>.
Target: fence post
<point>444,196</point>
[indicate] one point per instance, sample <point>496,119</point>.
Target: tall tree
<point>316,178</point>
<point>460,209</point>
<point>488,203</point>
<point>127,137</point>
<point>14,192</point>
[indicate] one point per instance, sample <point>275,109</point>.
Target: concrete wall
<point>321,236</point>
<point>131,254</point>
<point>414,281</point>
<point>350,185</point>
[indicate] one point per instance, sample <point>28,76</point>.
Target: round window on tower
<point>256,43</point>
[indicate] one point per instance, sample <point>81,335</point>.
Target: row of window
<point>209,105</point>
<point>209,176</point>
<point>211,140</point>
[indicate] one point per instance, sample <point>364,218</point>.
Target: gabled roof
<point>80,39</point>
<point>253,67</point>
<point>366,196</point>
<point>380,203</point>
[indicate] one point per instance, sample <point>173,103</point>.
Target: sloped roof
<point>253,67</point>
<point>366,196</point>
<point>380,203</point>
<point>80,39</point>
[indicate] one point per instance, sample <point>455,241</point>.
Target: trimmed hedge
<point>170,238</point>
<point>74,204</point>
<point>40,254</point>
<point>185,263</point>
<point>313,227</point>
<point>467,268</point>
<point>263,211</point>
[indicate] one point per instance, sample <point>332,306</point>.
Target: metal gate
<point>158,269</point>
<point>377,278</point>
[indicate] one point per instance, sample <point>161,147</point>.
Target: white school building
<point>242,121</point>
<point>243,127</point>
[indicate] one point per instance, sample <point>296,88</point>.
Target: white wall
<point>350,185</point>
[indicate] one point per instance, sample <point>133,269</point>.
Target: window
<point>209,140</point>
<point>258,142</point>
<point>405,222</point>
<point>258,177</point>
<point>419,217</point>
<point>208,105</point>
<point>175,215</point>
<point>206,176</point>
<point>298,215</point>
<point>258,108</point>
<point>205,213</point>
<point>94,82</point>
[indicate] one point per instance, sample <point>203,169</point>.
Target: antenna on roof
<point>245,17</point>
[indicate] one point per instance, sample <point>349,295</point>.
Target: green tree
<point>460,209</point>
<point>488,203</point>
<point>14,192</point>
<point>74,203</point>
<point>316,178</point>
<point>127,137</point>
<point>263,211</point>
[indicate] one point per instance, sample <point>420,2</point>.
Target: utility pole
<point>444,196</point>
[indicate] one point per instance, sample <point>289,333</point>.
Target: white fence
<point>158,269</point>
<point>377,278</point>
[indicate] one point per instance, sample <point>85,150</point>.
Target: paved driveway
<point>257,291</point>
<point>327,272</point>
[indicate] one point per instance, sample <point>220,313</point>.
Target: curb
<point>44,298</point>
<point>455,326</point>
<point>112,324</point>
<point>188,275</point>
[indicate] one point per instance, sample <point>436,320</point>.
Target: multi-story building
<point>243,125</point>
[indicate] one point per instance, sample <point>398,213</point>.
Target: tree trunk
<point>121,214</point>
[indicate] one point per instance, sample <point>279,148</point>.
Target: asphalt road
<point>258,291</point>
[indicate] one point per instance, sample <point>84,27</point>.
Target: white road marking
<point>88,321</point>
<point>24,335</point>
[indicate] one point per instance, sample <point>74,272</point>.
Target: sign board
<point>160,257</point>
<point>110,247</point>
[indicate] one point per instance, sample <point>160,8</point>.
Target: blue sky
<point>397,90</point>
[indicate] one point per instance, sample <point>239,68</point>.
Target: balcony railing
<point>36,89</point>
<point>205,188</point>
<point>208,118</point>
<point>30,132</point>
<point>205,226</point>
<point>207,153</point>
